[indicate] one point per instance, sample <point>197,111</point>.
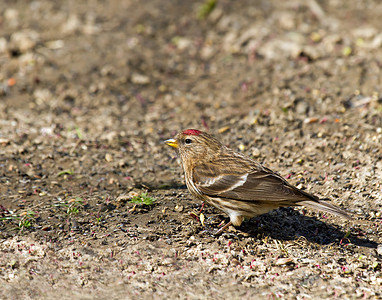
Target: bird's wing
<point>248,182</point>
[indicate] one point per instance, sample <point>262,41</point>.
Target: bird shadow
<point>286,223</point>
<point>290,224</point>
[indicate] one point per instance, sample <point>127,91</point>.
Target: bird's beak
<point>172,143</point>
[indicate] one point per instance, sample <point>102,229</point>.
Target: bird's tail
<point>326,207</point>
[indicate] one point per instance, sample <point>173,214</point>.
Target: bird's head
<point>195,145</point>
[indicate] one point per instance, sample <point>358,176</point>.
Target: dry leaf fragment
<point>202,218</point>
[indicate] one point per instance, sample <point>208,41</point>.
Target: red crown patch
<point>191,132</point>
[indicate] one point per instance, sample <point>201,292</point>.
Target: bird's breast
<point>192,187</point>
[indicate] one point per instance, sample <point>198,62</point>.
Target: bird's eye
<point>188,141</point>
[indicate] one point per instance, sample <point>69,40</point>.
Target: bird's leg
<point>203,203</point>
<point>223,228</point>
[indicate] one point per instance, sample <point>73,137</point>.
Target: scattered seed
<point>223,129</point>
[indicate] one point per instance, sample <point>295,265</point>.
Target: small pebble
<point>179,208</point>
<point>140,79</point>
<point>255,152</point>
<point>379,249</point>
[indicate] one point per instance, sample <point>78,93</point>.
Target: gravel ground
<point>94,206</point>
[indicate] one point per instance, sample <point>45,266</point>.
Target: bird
<point>234,183</point>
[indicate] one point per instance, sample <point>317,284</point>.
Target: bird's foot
<point>220,231</point>
<point>201,208</point>
<point>215,232</point>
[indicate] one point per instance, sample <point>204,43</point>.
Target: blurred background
<point>90,89</point>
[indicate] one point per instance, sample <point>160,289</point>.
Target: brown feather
<point>236,184</point>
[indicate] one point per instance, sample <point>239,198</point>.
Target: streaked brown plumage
<point>235,184</point>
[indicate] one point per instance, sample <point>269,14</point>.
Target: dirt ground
<point>90,89</point>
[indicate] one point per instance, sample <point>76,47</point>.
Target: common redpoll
<point>235,184</point>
